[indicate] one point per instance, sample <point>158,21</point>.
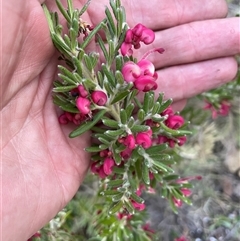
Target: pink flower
<point>174,121</point>
<point>182,238</point>
<point>147,228</point>
<point>124,215</point>
<point>131,71</point>
<point>144,140</point>
<point>125,154</point>
<point>145,83</point>
<point>145,34</point>
<point>126,49</point>
<point>134,36</point>
<point>96,168</point>
<point>186,192</point>
<point>177,202</point>
<point>82,91</point>
<point>62,119</point>
<point>129,141</point>
<point>99,97</point>
<point>142,74</point>
<point>146,67</point>
<point>168,111</point>
<point>181,140</point>
<point>138,206</point>
<point>222,110</point>
<point>83,104</point>
<point>108,164</point>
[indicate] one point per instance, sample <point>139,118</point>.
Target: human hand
<point>42,168</point>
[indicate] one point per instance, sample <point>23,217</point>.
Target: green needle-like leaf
<point>91,35</point>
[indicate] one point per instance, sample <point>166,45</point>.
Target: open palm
<point>41,167</point>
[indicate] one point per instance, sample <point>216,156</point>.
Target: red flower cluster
<point>134,36</point>
<point>173,122</point>
<point>83,103</point>
<point>142,74</point>
<point>223,110</point>
<point>185,191</point>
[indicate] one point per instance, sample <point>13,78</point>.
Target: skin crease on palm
<point>41,168</point>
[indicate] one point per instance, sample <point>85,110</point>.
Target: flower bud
<point>138,206</point>
<point>107,165</point>
<point>62,119</point>
<point>129,142</point>
<point>99,97</point>
<point>82,91</point>
<point>144,140</point>
<point>83,104</point>
<point>175,121</point>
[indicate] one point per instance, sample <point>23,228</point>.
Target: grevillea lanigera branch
<point>113,95</point>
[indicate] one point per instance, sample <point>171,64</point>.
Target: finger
<point>179,105</point>
<point>196,42</point>
<point>185,81</point>
<point>157,14</point>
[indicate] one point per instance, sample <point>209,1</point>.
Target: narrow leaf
<point>156,149</point>
<point>120,96</point>
<point>93,149</point>
<point>63,11</point>
<point>139,128</point>
<point>64,88</point>
<point>102,46</point>
<point>91,35</point>
<point>110,123</point>
<point>145,174</point>
<point>115,183</point>
<point>123,116</point>
<point>114,133</point>
<point>164,105</point>
<point>136,198</point>
<point>115,207</point>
